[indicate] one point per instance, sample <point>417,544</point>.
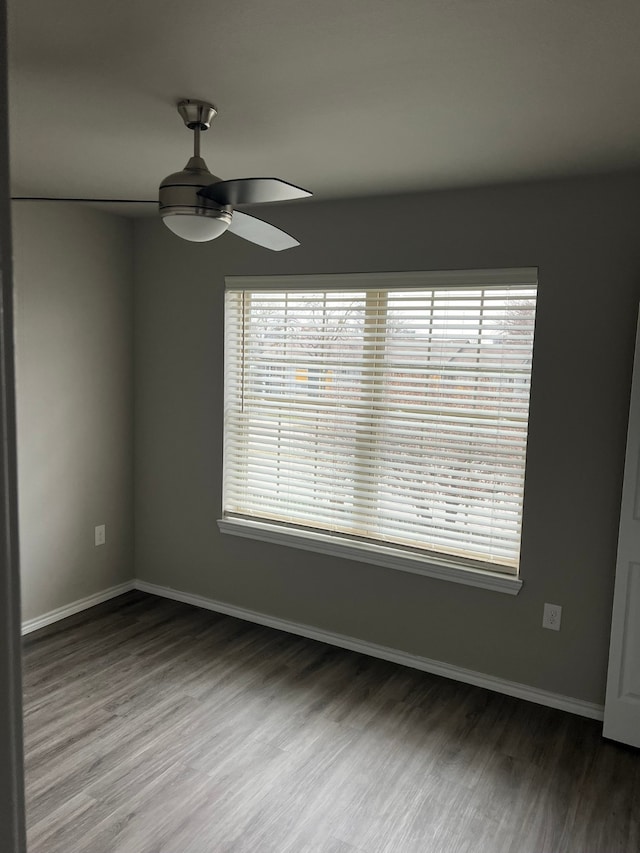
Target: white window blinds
<point>388,408</point>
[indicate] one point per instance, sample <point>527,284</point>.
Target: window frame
<point>430,563</point>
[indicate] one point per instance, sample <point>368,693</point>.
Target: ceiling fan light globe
<point>196,225</point>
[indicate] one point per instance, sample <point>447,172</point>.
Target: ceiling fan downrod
<point>197,116</point>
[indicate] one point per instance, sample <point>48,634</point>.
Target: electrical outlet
<point>101,534</point>
<point>552,616</point>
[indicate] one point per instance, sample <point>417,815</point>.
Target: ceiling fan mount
<point>198,206</point>
<point>197,114</point>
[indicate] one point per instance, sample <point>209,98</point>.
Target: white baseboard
<point>75,607</point>
<point>457,673</point>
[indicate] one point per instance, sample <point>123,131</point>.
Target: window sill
<point>379,555</point>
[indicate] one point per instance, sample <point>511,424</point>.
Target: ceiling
<point>345,97</point>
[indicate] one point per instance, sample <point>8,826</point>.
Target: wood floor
<point>154,727</point>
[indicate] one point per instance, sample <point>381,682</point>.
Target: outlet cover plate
<point>552,616</point>
<point>101,534</point>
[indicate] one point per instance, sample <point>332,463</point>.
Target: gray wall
<point>583,236</point>
<point>73,279</point>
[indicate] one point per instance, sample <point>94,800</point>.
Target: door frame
<point>622,701</point>
<point>12,817</point>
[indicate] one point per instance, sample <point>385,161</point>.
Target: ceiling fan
<point>198,206</point>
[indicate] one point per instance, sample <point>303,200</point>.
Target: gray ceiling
<point>346,97</point>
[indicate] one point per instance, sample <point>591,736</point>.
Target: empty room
<point>320,427</point>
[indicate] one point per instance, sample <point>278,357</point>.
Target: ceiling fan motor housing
<point>179,196</point>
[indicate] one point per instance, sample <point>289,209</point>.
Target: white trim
<point>457,673</point>
<point>374,554</point>
<point>75,607</point>
<point>382,280</point>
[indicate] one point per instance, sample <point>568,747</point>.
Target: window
<point>386,411</point>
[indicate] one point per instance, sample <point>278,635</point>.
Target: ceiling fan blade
<point>252,191</point>
<point>101,200</point>
<point>261,233</point>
